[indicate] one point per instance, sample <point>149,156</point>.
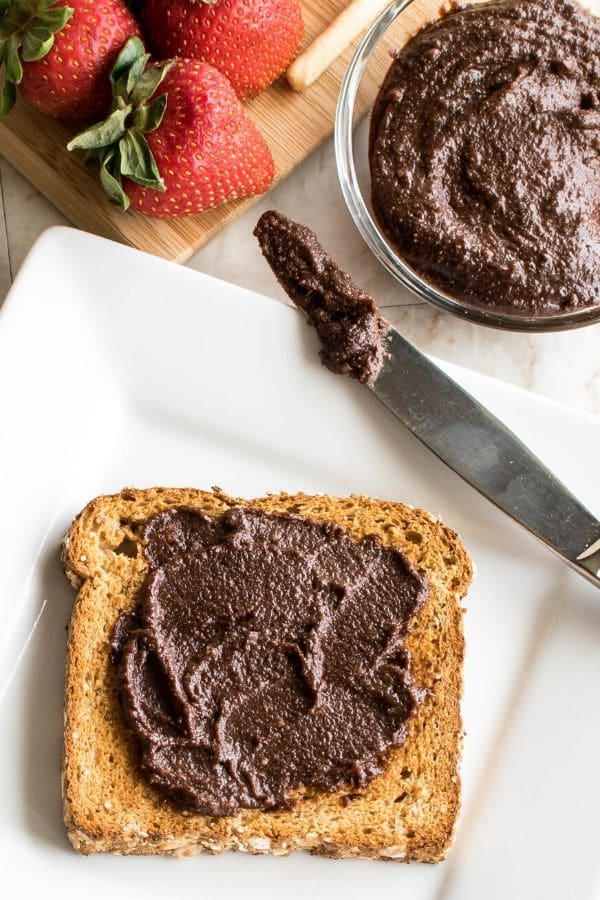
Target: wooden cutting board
<point>294,124</point>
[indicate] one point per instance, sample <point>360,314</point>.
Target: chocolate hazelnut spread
<point>485,155</point>
<point>265,655</point>
<point>346,319</point>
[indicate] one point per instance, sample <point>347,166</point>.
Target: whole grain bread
<point>409,813</point>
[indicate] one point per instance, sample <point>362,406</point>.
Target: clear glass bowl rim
<point>368,228</point>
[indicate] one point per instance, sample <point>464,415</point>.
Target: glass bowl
<point>359,89</point>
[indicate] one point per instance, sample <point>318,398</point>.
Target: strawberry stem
<point>118,141</point>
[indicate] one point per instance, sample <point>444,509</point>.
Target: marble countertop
<point>563,366</point>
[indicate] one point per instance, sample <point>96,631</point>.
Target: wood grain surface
<point>294,125</point>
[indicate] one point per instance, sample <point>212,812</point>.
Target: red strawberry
<point>250,41</point>
<point>190,148</point>
<point>60,52</point>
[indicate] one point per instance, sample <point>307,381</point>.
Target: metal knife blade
<point>483,451</point>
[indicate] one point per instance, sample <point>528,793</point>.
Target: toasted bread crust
<point>409,813</point>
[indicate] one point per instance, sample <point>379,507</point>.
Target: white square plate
<point>117,369</point>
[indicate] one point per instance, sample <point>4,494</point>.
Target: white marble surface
<point>564,366</point>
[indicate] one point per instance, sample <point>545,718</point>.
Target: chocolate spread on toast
<point>265,656</point>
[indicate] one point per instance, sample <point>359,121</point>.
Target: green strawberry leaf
<point>147,83</point>
<point>119,90</point>
<point>110,177</point>
<point>13,70</point>
<point>132,57</point>
<point>8,96</point>
<point>36,44</point>
<point>118,141</point>
<point>39,31</point>
<point>54,19</point>
<point>137,160</point>
<point>104,133</point>
<point>135,71</point>
<point>132,49</point>
<point>148,117</point>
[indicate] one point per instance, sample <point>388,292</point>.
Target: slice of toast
<point>408,813</point>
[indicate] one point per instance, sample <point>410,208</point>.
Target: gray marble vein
<point>28,214</point>
<point>5,264</point>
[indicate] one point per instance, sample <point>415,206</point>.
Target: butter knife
<point>483,451</point>
<point>447,419</point>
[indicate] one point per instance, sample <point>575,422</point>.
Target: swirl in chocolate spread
<point>485,155</point>
<point>265,655</point>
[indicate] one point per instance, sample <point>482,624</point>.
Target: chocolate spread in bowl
<point>485,155</point>
<point>265,654</point>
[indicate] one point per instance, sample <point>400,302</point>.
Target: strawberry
<point>250,41</point>
<point>59,53</point>
<point>192,147</point>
